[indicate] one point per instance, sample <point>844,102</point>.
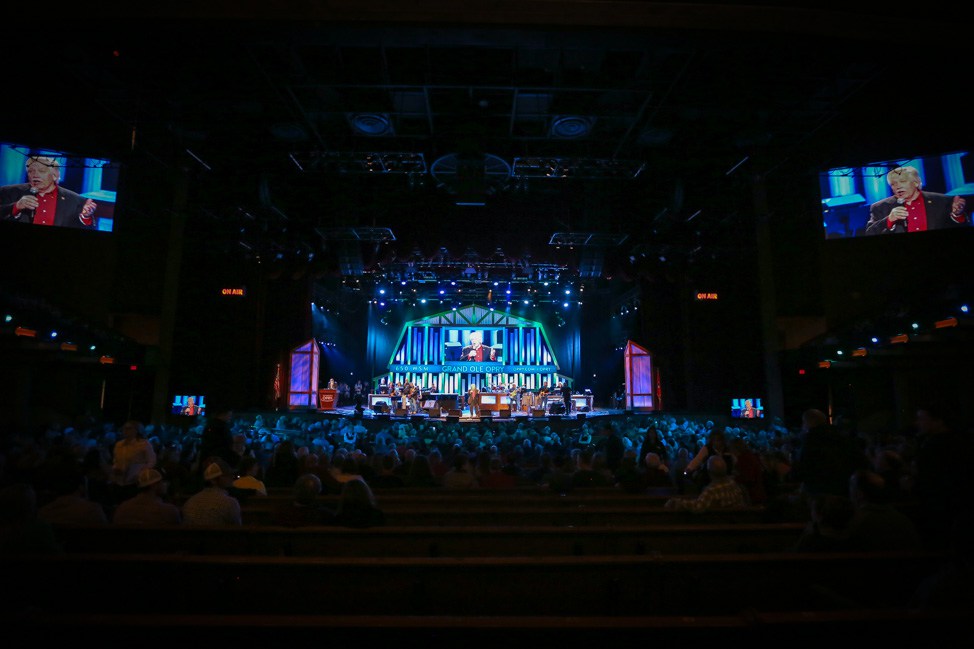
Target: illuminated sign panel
<point>233,292</point>
<point>706,297</point>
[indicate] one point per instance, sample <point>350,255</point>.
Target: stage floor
<point>465,416</point>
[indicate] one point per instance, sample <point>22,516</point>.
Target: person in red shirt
<point>42,201</point>
<point>476,350</point>
<point>911,210</point>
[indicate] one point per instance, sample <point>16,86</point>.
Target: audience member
<point>249,480</point>
<point>71,505</point>
<point>877,526</point>
<point>357,506</point>
<point>149,506</point>
<point>460,476</point>
<point>828,527</point>
<point>213,505</point>
<point>130,455</point>
<point>721,491</point>
<point>940,475</point>
<point>825,457</point>
<point>304,508</point>
<point>21,531</point>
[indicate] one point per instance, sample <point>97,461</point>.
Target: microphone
<point>900,201</point>
<point>29,214</point>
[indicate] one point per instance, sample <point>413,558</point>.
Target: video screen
<point>900,196</point>
<point>49,187</point>
<point>747,408</point>
<point>189,405</point>
<point>473,345</point>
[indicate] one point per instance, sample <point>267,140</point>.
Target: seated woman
<point>357,506</point>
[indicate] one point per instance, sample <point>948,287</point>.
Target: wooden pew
<point>465,541</point>
<point>754,629</point>
<point>668,585</point>
<point>451,514</point>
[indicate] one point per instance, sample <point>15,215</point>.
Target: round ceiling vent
<point>371,123</point>
<point>570,126</point>
<point>459,172</point>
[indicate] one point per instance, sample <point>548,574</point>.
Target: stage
<point>296,419</point>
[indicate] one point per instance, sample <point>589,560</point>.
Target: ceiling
<point>577,137</point>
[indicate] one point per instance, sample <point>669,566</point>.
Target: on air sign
<point>706,297</point>
<point>233,292</point>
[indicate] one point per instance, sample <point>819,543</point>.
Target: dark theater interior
<point>658,217</point>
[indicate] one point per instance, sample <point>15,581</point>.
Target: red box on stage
<point>327,399</point>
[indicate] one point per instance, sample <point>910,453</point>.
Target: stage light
<point>568,291</point>
<point>92,348</point>
<point>564,305</point>
<point>963,309</point>
<point>382,291</point>
<point>915,325</point>
<point>839,352</point>
<point>422,301</point>
<point>874,339</point>
<point>53,334</point>
<point>526,301</point>
<point>8,318</point>
<point>442,291</point>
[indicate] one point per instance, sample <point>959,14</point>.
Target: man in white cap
<point>148,507</point>
<point>213,505</point>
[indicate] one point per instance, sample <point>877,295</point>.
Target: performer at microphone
<point>911,210</point>
<point>42,201</point>
<point>476,351</point>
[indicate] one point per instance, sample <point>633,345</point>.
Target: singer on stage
<point>912,210</point>
<point>42,201</point>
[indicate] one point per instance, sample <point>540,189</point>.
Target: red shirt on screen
<point>917,221</point>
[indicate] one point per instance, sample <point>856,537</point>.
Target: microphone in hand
<point>28,213</point>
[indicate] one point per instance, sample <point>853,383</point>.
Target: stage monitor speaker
<point>504,414</point>
<point>580,416</point>
<point>537,412</point>
<point>453,419</point>
<point>383,417</point>
<point>433,411</point>
<point>401,412</point>
<point>455,413</point>
<point>554,417</point>
<point>416,418</point>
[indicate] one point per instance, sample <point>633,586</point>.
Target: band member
<point>542,398</point>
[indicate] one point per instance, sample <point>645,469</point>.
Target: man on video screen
<point>476,350</point>
<point>911,210</point>
<point>42,201</point>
